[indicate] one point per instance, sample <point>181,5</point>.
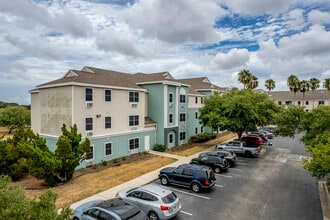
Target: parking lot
<point>273,186</point>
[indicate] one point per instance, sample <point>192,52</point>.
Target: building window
<point>133,120</point>
<point>288,102</point>
<point>133,97</point>
<point>202,100</point>
<point>202,129</point>
<point>182,117</point>
<point>134,143</point>
<point>321,102</point>
<point>108,149</point>
<point>107,95</point>
<point>170,118</point>
<point>299,103</point>
<point>107,122</point>
<point>170,138</point>
<point>182,136</point>
<point>196,115</point>
<point>89,124</point>
<point>196,130</point>
<point>90,153</point>
<point>307,103</point>
<point>170,98</point>
<point>196,100</point>
<point>182,98</point>
<point>89,95</point>
<point>279,102</point>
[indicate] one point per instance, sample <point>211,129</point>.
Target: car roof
<point>195,167</point>
<point>155,189</point>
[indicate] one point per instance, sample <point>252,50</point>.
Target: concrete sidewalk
<point>141,180</point>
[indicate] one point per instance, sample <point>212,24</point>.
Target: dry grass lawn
<point>92,180</point>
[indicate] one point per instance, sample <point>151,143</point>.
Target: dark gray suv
<point>194,176</point>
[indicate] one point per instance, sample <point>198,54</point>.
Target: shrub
<point>202,137</point>
<point>159,147</point>
<point>104,163</point>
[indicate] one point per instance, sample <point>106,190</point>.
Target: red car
<point>252,140</point>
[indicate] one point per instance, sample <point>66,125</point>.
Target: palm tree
<point>270,85</point>
<point>293,84</point>
<point>326,84</point>
<point>304,87</point>
<point>244,77</point>
<point>253,82</point>
<point>314,84</point>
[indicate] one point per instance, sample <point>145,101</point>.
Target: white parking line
<point>224,175</point>
<point>219,185</point>
<point>187,213</point>
<point>191,194</point>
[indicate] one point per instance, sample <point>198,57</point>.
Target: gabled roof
<point>95,76</point>
<point>200,84</point>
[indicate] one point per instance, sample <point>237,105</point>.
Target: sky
<point>42,40</point>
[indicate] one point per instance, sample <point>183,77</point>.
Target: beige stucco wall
<point>118,109</point>
<point>192,103</point>
<point>54,110</point>
<point>35,125</point>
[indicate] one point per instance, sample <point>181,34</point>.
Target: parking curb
<point>325,199</point>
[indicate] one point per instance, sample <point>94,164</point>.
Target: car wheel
<point>195,187</point>
<point>153,215</point>
<point>248,154</point>
<point>163,180</point>
<point>75,218</point>
<point>217,170</point>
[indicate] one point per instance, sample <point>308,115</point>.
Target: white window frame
<point>105,149</point>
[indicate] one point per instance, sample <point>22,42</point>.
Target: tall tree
<point>14,117</point>
<point>326,84</point>
<point>270,85</point>
<point>314,84</point>
<point>293,84</point>
<point>304,87</point>
<point>238,111</point>
<point>71,150</point>
<point>244,77</point>
<point>253,82</point>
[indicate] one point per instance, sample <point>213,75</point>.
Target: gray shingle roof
<point>199,84</point>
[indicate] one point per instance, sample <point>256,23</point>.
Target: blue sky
<point>41,40</point>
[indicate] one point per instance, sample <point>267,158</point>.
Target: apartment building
<point>120,113</point>
<point>309,100</point>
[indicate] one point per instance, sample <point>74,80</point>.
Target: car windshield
<point>169,198</point>
<point>125,211</point>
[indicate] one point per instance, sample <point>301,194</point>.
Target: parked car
<point>261,135</point>
<point>156,201</point>
<point>218,164</point>
<point>113,209</point>
<point>252,140</point>
<point>268,134</point>
<point>194,176</point>
<point>230,156</point>
<point>240,148</point>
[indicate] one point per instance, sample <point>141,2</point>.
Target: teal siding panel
<point>120,146</point>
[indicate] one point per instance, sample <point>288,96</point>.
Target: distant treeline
<point>7,104</point>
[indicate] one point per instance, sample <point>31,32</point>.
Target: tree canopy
<point>316,124</point>
<point>238,111</point>
<point>14,117</point>
<point>14,204</point>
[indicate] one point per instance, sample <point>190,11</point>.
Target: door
<point>147,143</point>
<point>170,140</point>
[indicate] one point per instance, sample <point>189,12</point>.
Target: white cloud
<point>175,21</point>
<point>319,17</point>
<point>234,58</point>
<point>257,7</point>
<point>64,21</point>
